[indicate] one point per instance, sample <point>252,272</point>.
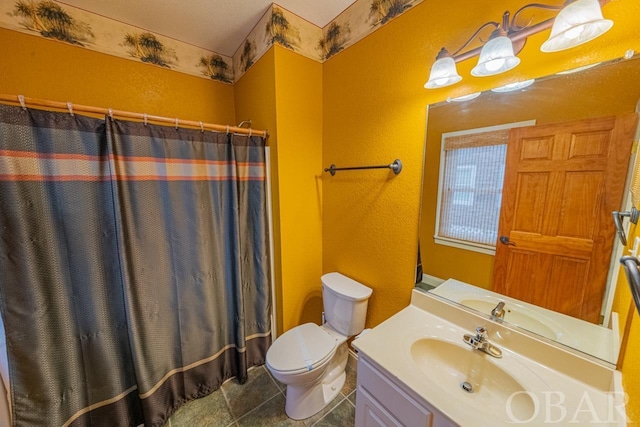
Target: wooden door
<point>562,182</point>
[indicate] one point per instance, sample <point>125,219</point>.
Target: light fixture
<point>464,97</point>
<point>496,57</point>
<point>443,73</point>
<point>578,69</point>
<point>577,20</point>
<point>513,86</point>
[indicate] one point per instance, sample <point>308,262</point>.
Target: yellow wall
<point>374,111</point>
<point>299,115</point>
<point>255,100</point>
<point>283,92</point>
<point>40,68</point>
<point>631,370</point>
<point>56,71</point>
<point>603,91</point>
<point>628,317</point>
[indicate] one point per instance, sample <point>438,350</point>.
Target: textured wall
<point>299,115</point>
<point>255,100</point>
<point>631,370</point>
<point>40,68</point>
<point>374,111</point>
<point>283,92</point>
<point>628,318</point>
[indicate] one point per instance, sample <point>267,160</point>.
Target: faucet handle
<point>481,332</point>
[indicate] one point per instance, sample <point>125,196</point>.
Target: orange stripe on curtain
<point>34,166</point>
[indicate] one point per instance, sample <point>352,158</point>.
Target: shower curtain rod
<point>72,108</point>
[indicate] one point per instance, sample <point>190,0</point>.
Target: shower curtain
<point>134,271</point>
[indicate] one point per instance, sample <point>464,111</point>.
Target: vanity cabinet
<point>384,402</point>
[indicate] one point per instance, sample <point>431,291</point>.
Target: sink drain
<point>467,386</point>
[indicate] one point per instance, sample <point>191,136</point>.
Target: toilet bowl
<point>310,359</point>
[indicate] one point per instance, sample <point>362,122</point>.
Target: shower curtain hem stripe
<point>98,405</point>
<point>196,364</point>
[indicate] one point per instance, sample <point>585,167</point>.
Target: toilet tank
<point>345,303</point>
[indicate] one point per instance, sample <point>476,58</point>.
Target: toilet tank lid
<point>345,286</point>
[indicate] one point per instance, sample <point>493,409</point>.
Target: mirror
<point>608,89</point>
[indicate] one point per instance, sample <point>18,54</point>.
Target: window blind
<point>472,186</point>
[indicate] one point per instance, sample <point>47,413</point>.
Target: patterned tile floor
<point>260,402</point>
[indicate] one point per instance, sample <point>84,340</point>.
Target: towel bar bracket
<point>633,215</point>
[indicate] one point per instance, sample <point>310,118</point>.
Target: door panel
<point>561,184</point>
<point>536,149</point>
<point>589,144</point>
<point>578,196</point>
<point>568,276</point>
<point>530,204</point>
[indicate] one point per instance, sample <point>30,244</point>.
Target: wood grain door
<point>562,182</point>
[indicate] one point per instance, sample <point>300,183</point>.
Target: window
<point>472,166</point>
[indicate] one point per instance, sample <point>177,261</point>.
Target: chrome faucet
<point>498,311</point>
<point>479,342</point>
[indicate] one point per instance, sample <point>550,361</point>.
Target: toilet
<point>310,359</point>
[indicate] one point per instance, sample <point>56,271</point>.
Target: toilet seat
<point>301,349</point>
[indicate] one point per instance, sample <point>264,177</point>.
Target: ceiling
<point>216,25</point>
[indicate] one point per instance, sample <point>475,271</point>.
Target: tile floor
<point>260,402</point>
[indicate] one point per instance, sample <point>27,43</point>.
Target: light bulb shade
<point>443,73</point>
<point>578,23</point>
<point>513,86</point>
<point>495,57</point>
<point>464,98</point>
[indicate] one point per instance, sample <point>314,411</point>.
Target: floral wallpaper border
<point>56,21</point>
<point>75,26</point>
<point>277,26</point>
<point>359,20</point>
<point>285,28</point>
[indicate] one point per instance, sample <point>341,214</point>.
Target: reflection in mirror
<point>532,223</point>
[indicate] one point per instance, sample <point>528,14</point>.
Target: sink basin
<point>421,353</point>
<point>595,340</point>
<point>515,316</point>
<point>466,373</point>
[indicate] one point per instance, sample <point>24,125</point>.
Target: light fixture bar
<point>575,23</point>
<point>518,36</point>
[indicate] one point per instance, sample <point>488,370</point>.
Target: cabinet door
<point>370,413</point>
<point>396,403</point>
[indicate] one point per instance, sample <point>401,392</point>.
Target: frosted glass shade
<point>578,23</point>
<point>513,86</point>
<point>464,97</point>
<point>443,73</point>
<point>495,57</point>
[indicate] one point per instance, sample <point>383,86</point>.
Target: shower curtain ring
<point>111,113</point>
<point>70,107</point>
<point>177,122</point>
<point>145,117</point>
<point>250,132</point>
<point>227,129</point>
<point>22,104</point>
<point>201,127</point>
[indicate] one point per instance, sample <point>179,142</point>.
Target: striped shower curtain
<point>134,271</point>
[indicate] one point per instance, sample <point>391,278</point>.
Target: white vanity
<point>415,370</point>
